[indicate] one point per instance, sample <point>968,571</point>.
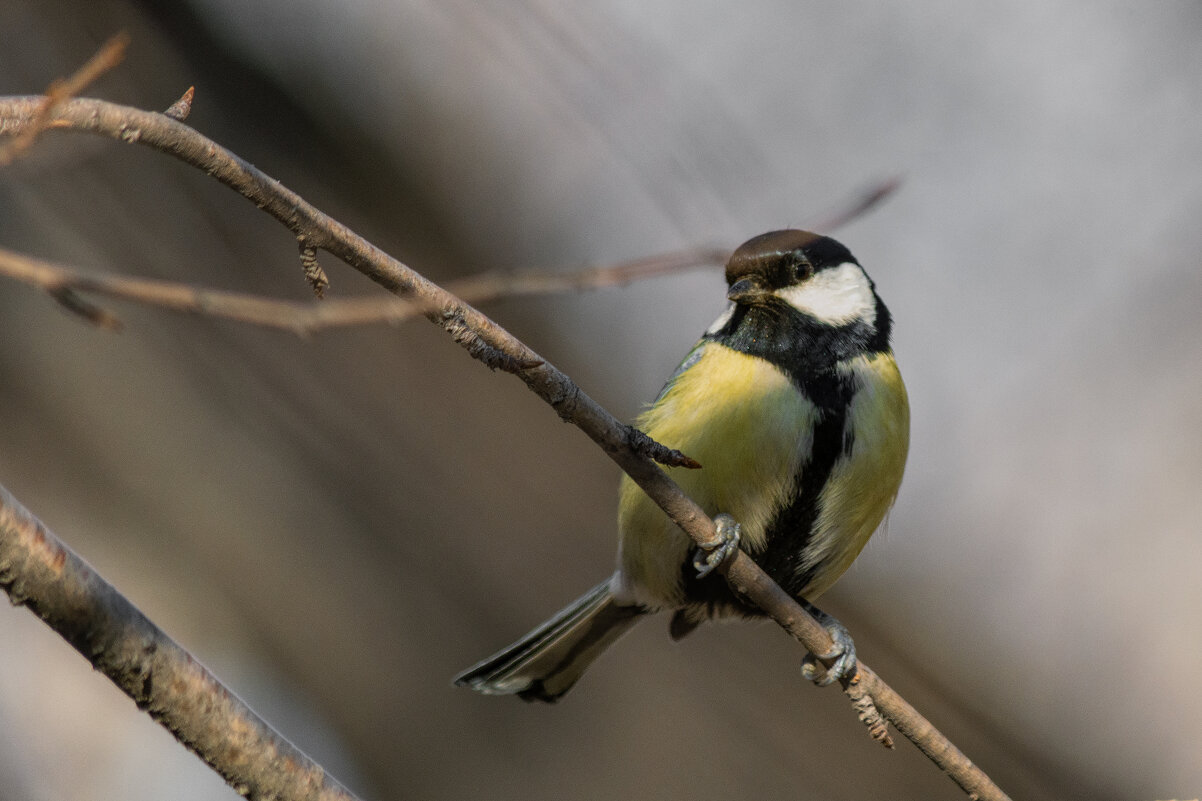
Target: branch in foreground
<point>487,341</point>
<point>39,571</point>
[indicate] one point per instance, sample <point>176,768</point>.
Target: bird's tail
<point>545,663</point>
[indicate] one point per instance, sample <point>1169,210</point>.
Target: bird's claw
<point>712,555</point>
<point>813,667</point>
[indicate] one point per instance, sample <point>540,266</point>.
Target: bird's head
<point>814,274</point>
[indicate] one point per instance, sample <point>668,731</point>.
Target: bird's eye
<point>802,269</point>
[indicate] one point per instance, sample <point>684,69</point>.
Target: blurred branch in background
<point>866,201</point>
<point>65,284</point>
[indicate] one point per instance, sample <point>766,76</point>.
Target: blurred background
<point>337,525</point>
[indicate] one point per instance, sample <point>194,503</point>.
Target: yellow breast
<point>751,430</point>
<point>738,416</point>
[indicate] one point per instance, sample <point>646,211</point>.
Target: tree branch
<point>868,199</point>
<point>490,343</point>
<point>39,571</point>
<point>65,283</point>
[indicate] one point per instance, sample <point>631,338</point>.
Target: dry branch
<point>39,571</point>
<point>65,284</point>
<point>859,205</point>
<point>490,343</point>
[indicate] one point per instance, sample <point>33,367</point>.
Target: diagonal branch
<point>487,341</point>
<point>868,199</point>
<point>39,571</point>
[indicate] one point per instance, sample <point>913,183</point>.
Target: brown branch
<point>487,341</point>
<point>39,571</point>
<point>301,318</point>
<point>61,281</point>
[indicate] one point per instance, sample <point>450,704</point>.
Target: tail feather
<point>545,663</point>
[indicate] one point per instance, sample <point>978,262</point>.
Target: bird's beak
<point>746,290</point>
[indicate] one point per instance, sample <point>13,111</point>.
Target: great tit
<point>793,405</point>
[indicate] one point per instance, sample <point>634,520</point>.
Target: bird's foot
<point>712,555</point>
<point>843,653</point>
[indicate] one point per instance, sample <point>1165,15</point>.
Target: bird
<point>793,404</point>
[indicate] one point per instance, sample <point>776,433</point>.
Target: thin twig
<point>108,56</point>
<point>307,318</point>
<point>487,341</point>
<point>39,571</point>
<point>488,286</point>
<point>297,317</point>
<point>860,205</point>
<point>65,283</point>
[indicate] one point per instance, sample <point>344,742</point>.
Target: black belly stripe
<point>792,530</point>
<point>790,534</point>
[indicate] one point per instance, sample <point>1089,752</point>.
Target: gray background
<point>337,525</point>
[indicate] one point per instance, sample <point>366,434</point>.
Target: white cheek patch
<point>837,296</point>
<point>722,320</point>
